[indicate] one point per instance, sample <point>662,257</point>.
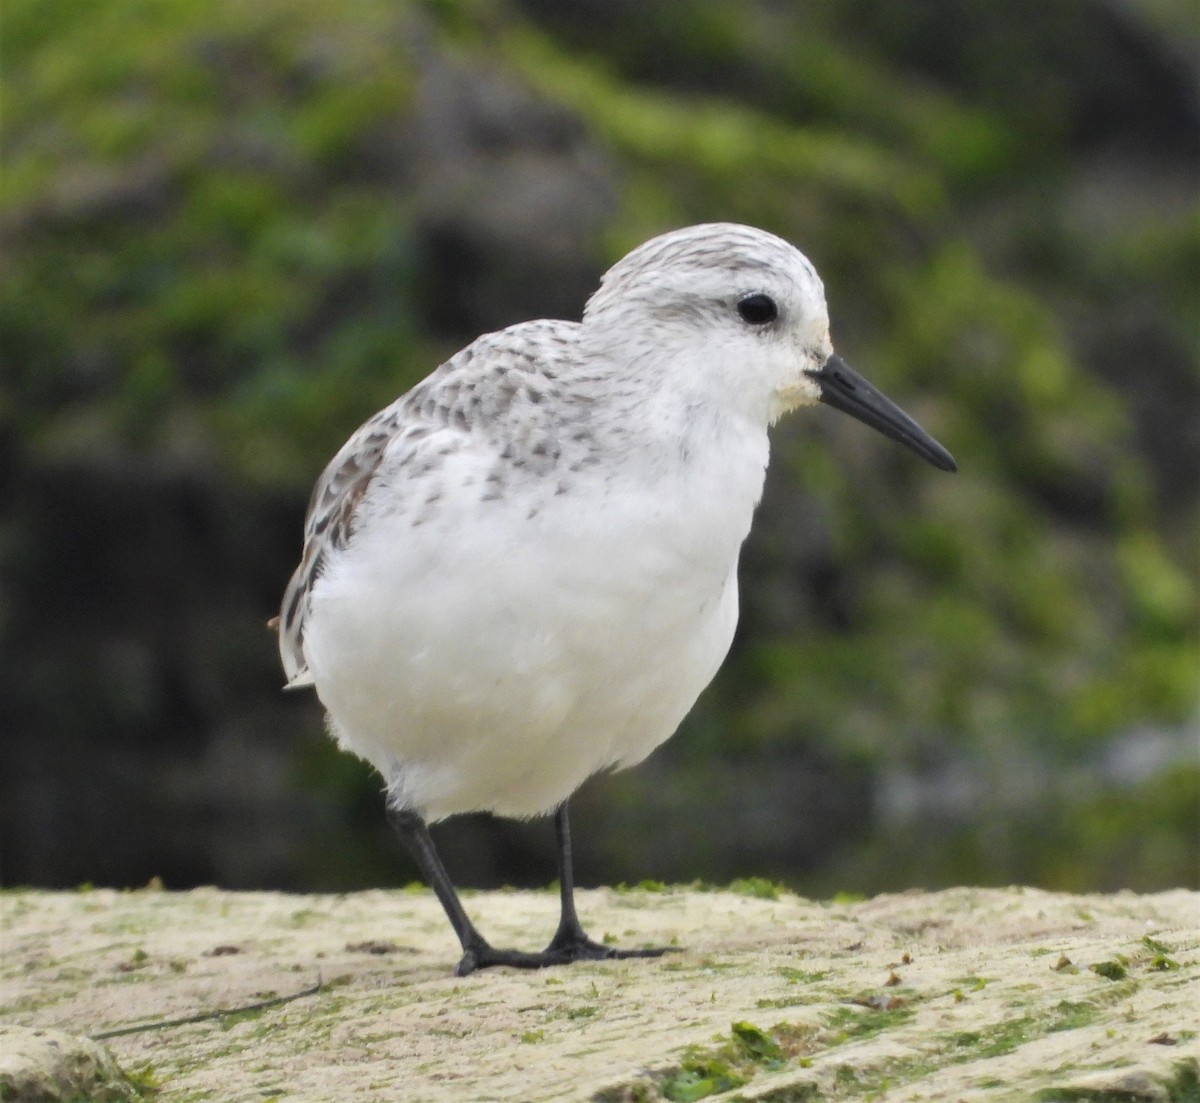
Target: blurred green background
<point>231,231</point>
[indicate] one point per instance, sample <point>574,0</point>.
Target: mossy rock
<point>50,1066</point>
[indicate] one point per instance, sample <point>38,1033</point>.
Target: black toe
<point>562,951</point>
<point>578,947</point>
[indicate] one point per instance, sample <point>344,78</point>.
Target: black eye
<point>757,309</point>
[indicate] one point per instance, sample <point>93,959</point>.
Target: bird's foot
<point>574,945</point>
<point>482,955</point>
<point>563,950</point>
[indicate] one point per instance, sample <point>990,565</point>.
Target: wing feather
<point>328,527</point>
<point>491,392</point>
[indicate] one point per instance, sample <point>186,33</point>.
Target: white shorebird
<point>524,571</point>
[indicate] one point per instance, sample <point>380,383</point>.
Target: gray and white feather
<point>524,570</point>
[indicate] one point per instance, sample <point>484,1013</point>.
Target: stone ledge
<point>963,994</point>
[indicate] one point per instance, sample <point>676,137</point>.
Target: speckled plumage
<point>499,395</point>
<point>525,569</point>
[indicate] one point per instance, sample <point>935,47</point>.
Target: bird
<point>523,572</point>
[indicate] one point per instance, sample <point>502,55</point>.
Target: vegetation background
<point>231,231</point>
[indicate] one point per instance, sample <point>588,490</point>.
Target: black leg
<point>477,951</point>
<point>569,941</point>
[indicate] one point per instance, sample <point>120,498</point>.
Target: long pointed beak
<point>844,389</point>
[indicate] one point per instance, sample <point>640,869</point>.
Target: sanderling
<point>524,570</point>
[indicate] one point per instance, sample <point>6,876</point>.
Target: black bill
<point>844,389</point>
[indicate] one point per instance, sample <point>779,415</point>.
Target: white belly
<point>497,672</point>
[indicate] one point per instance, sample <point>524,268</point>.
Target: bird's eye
<point>757,309</point>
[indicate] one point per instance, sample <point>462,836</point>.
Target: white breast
<point>499,652</point>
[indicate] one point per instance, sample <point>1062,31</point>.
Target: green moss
<point>1000,1039</point>
<point>971,983</point>
<point>791,1093</point>
<point>705,1071</point>
<point>759,887</point>
<point>643,886</point>
<point>1115,969</point>
<point>698,1080</point>
<point>801,976</point>
<point>757,1044</point>
<point>1068,1015</point>
<point>1182,1087</point>
<point>783,1001</point>
<point>842,899</point>
<point>853,1023</point>
<point>997,1040</point>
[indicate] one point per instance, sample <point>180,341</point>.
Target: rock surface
<point>963,994</point>
<point>45,1066</point>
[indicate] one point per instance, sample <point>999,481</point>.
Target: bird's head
<point>739,315</point>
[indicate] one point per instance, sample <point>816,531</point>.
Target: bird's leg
<point>478,953</point>
<point>570,943</point>
<point>570,937</point>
